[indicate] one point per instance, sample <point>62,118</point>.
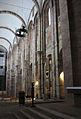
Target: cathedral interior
<point>40,43</point>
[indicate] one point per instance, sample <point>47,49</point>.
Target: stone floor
<point>58,110</point>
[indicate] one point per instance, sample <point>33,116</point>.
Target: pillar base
<point>77,100</point>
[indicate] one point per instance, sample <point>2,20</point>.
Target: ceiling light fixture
<point>21,32</point>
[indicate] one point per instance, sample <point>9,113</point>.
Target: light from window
<point>49,15</point>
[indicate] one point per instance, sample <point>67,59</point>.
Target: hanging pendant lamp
<point>21,32</point>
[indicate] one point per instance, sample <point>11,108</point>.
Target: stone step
<point>40,112</point>
<point>37,112</point>
<point>50,115</point>
<point>20,115</point>
<point>7,116</point>
<point>27,115</point>
<point>56,113</point>
<point>32,114</point>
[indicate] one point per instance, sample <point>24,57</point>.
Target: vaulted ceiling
<point>12,14</point>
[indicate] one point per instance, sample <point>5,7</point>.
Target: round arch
<point>7,41</point>
<point>4,47</point>
<point>13,13</point>
<point>3,27</point>
<point>36,3</point>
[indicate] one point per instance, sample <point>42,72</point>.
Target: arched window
<point>49,17</point>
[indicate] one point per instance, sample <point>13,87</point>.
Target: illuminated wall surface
<point>2,71</point>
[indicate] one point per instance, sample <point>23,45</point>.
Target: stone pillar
<point>71,27</point>
<point>42,56</point>
<point>75,37</point>
<point>39,57</point>
<point>39,73</point>
<point>55,51</point>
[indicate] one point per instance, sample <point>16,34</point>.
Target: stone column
<point>42,56</point>
<point>71,27</point>
<point>55,51</point>
<point>75,38</point>
<point>66,45</point>
<point>39,58</point>
<point>39,73</point>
